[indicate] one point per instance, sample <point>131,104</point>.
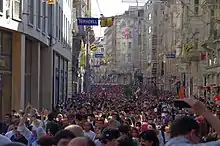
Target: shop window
<point>1,6</point>
<point>6,43</point>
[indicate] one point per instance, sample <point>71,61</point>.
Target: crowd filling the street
<point>146,117</point>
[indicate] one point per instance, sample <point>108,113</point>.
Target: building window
<point>31,12</point>
<point>196,7</point>
<point>129,45</point>
<point>1,6</point>
<point>212,12</point>
<point>17,5</point>
<point>60,23</point>
<point>49,20</point>
<point>150,29</point>
<point>39,14</point>
<point>5,51</point>
<point>149,16</point>
<point>44,15</point>
<point>66,31</point>
<point>57,79</point>
<point>57,20</point>
<point>62,29</point>
<point>28,68</point>
<point>65,79</point>
<point>61,80</point>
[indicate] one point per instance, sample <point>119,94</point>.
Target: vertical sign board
<point>88,21</point>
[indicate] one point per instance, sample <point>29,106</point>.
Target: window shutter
<point>17,10</point>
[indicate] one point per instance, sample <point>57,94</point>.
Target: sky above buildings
<point>108,8</point>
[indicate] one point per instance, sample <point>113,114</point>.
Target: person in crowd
<point>52,126</point>
<point>88,132</point>
<point>15,136</point>
<point>109,136</point>
<point>63,137</point>
<point>45,141</point>
<point>36,130</point>
<point>4,140</point>
<point>149,138</point>
<point>124,140</point>
<point>185,131</point>
<point>5,123</point>
<point>76,130</point>
<point>81,141</point>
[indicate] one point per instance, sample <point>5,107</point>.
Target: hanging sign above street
<point>96,65</point>
<point>171,55</point>
<point>88,21</point>
<point>99,55</point>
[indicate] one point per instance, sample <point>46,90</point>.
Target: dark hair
<point>124,129</point>
<point>63,134</point>
<point>79,117</point>
<point>45,141</point>
<point>90,142</point>
<point>50,117</point>
<point>124,140</point>
<point>151,136</point>
<point>182,126</point>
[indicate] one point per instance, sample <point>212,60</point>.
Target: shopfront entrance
<point>5,72</point>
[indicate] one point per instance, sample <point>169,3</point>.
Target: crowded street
<point>143,119</point>
<point>109,72</point>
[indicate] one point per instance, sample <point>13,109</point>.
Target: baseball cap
<point>109,134</point>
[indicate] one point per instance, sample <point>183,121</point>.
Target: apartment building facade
<point>35,49</point>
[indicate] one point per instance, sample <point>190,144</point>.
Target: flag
<point>184,51</point>
<point>203,56</point>
<point>82,55</point>
<point>93,47</point>
<point>189,48</point>
<point>106,57</point>
<point>181,93</point>
<point>51,2</point>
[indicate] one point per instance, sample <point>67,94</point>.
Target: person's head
<point>99,124</point>
<point>33,117</point>
<point>87,126</point>
<point>134,132</point>
<point>50,116</point>
<point>124,129</point>
<point>63,137</point>
<point>45,141</point>
<point>113,124</point>
<point>7,118</point>
<point>124,140</point>
<point>149,138</point>
<point>76,130</point>
<point>59,117</point>
<point>81,141</point>
<point>109,136</point>
<point>186,127</point>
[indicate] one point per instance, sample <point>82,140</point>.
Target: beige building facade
<point>189,22</point>
<point>35,46</point>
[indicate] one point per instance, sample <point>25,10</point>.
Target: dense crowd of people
<point>147,118</point>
